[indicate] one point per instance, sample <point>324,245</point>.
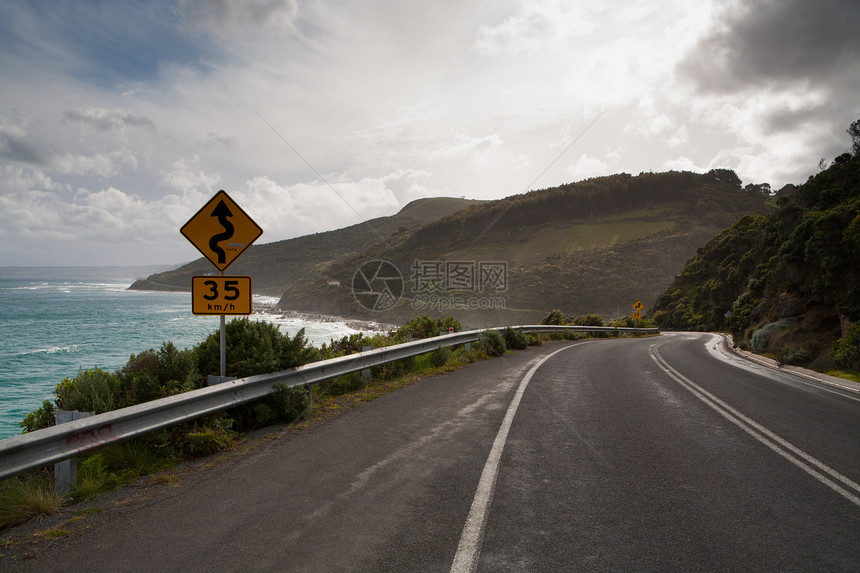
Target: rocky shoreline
<point>357,324</point>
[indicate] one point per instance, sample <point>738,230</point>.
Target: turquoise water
<point>50,328</point>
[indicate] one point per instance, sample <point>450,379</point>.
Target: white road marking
<point>714,349</point>
<point>827,475</point>
<point>469,548</point>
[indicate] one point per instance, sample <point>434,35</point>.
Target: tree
<point>760,189</point>
<point>854,132</point>
<point>724,176</point>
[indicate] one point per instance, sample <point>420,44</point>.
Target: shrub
<point>534,339</point>
<point>439,356</point>
<point>797,355</point>
<point>130,458</point>
<point>630,322</point>
<point>425,327</point>
<point>492,343</point>
<point>283,406</point>
<point>150,374</point>
<point>205,441</point>
<point>204,436</point>
<point>515,339</point>
<point>289,403</point>
<point>345,346</point>
<point>253,347</point>
<point>340,385</point>
<point>566,335</point>
<point>761,336</point>
<point>42,417</point>
<point>89,391</point>
<point>588,320</point>
<point>393,370</point>
<point>93,477</point>
<point>846,350</point>
<point>555,317</point>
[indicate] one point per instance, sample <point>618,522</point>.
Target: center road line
<point>779,445</point>
<point>469,548</point>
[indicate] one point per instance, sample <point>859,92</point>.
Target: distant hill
<point>594,246</point>
<point>785,283</point>
<point>275,267</point>
<point>82,273</point>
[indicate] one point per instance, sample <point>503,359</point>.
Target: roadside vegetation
<point>785,284</point>
<point>255,348</point>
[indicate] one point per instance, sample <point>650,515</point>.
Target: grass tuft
<point>55,533</point>
<point>845,375</point>
<point>23,498</point>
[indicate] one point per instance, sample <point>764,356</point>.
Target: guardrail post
<point>66,471</point>
<point>367,373</point>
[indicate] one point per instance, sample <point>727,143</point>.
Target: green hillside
<point>276,266</point>
<point>594,246</point>
<point>786,283</point>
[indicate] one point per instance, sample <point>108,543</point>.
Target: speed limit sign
<point>221,295</point>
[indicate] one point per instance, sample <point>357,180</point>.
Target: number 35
<point>229,287</point>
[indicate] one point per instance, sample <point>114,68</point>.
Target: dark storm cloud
<point>14,146</point>
<point>106,120</point>
<point>773,42</point>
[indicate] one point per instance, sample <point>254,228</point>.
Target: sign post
<point>221,231</point>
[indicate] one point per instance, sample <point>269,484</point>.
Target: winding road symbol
<point>222,212</point>
<point>221,220</point>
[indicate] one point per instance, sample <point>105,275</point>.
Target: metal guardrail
<point>54,444</point>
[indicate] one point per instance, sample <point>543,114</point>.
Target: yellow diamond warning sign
<point>221,230</point>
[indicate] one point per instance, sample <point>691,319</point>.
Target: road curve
<point>654,454</point>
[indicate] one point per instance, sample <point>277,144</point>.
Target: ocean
<point>55,321</point>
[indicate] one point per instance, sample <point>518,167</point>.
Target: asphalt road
<point>652,454</point>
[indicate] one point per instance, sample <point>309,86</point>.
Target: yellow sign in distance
<point>636,315</point>
<point>638,306</point>
<point>221,295</point>
<point>221,230</point>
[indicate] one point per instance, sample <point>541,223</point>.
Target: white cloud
<point>682,163</point>
<point>536,25</point>
<point>101,164</point>
<point>407,185</point>
<point>289,211</point>
<point>587,166</point>
<point>391,101</point>
<point>475,148</point>
<point>183,177</point>
<point>679,138</point>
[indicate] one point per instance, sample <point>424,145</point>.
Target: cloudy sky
<point>120,119</point>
